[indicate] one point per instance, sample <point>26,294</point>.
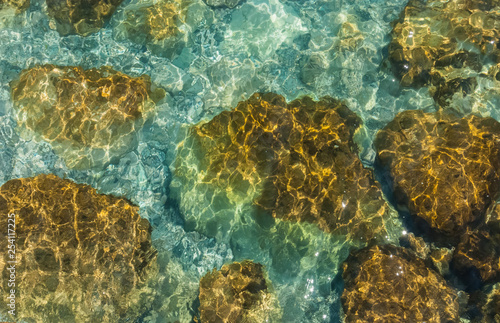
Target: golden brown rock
<point>81,256</point>
<point>88,116</point>
<point>238,292</point>
<point>298,161</point>
<point>445,169</point>
<point>391,284</point>
<point>81,17</point>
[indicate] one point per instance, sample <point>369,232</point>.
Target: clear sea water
<point>293,48</point>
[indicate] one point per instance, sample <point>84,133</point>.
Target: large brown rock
<point>391,284</point>
<point>296,160</point>
<point>239,292</point>
<point>444,169</point>
<point>81,17</point>
<point>81,256</point>
<point>88,116</point>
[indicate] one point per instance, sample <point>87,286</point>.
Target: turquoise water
<point>292,48</point>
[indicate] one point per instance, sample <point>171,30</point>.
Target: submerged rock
<point>81,256</point>
<point>479,250</point>
<point>437,42</point>
<point>444,169</point>
<point>81,17</point>
<point>298,161</point>
<point>391,284</point>
<point>163,26</point>
<point>239,292</point>
<point>88,116</point>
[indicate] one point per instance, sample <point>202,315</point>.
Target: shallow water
<point>292,48</point>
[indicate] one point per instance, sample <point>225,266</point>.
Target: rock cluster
<point>444,44</point>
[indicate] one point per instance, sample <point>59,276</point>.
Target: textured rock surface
<point>238,292</point>
<point>444,43</point>
<point>443,168</point>
<point>479,250</point>
<point>491,305</point>
<point>82,256</point>
<point>81,17</point>
<point>88,116</point>
<point>390,284</point>
<point>298,161</point>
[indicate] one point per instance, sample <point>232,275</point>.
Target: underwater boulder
<point>296,161</point>
<point>163,26</point>
<point>238,292</point>
<point>88,116</point>
<point>391,284</point>
<point>444,169</point>
<point>81,17</point>
<point>81,256</point>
